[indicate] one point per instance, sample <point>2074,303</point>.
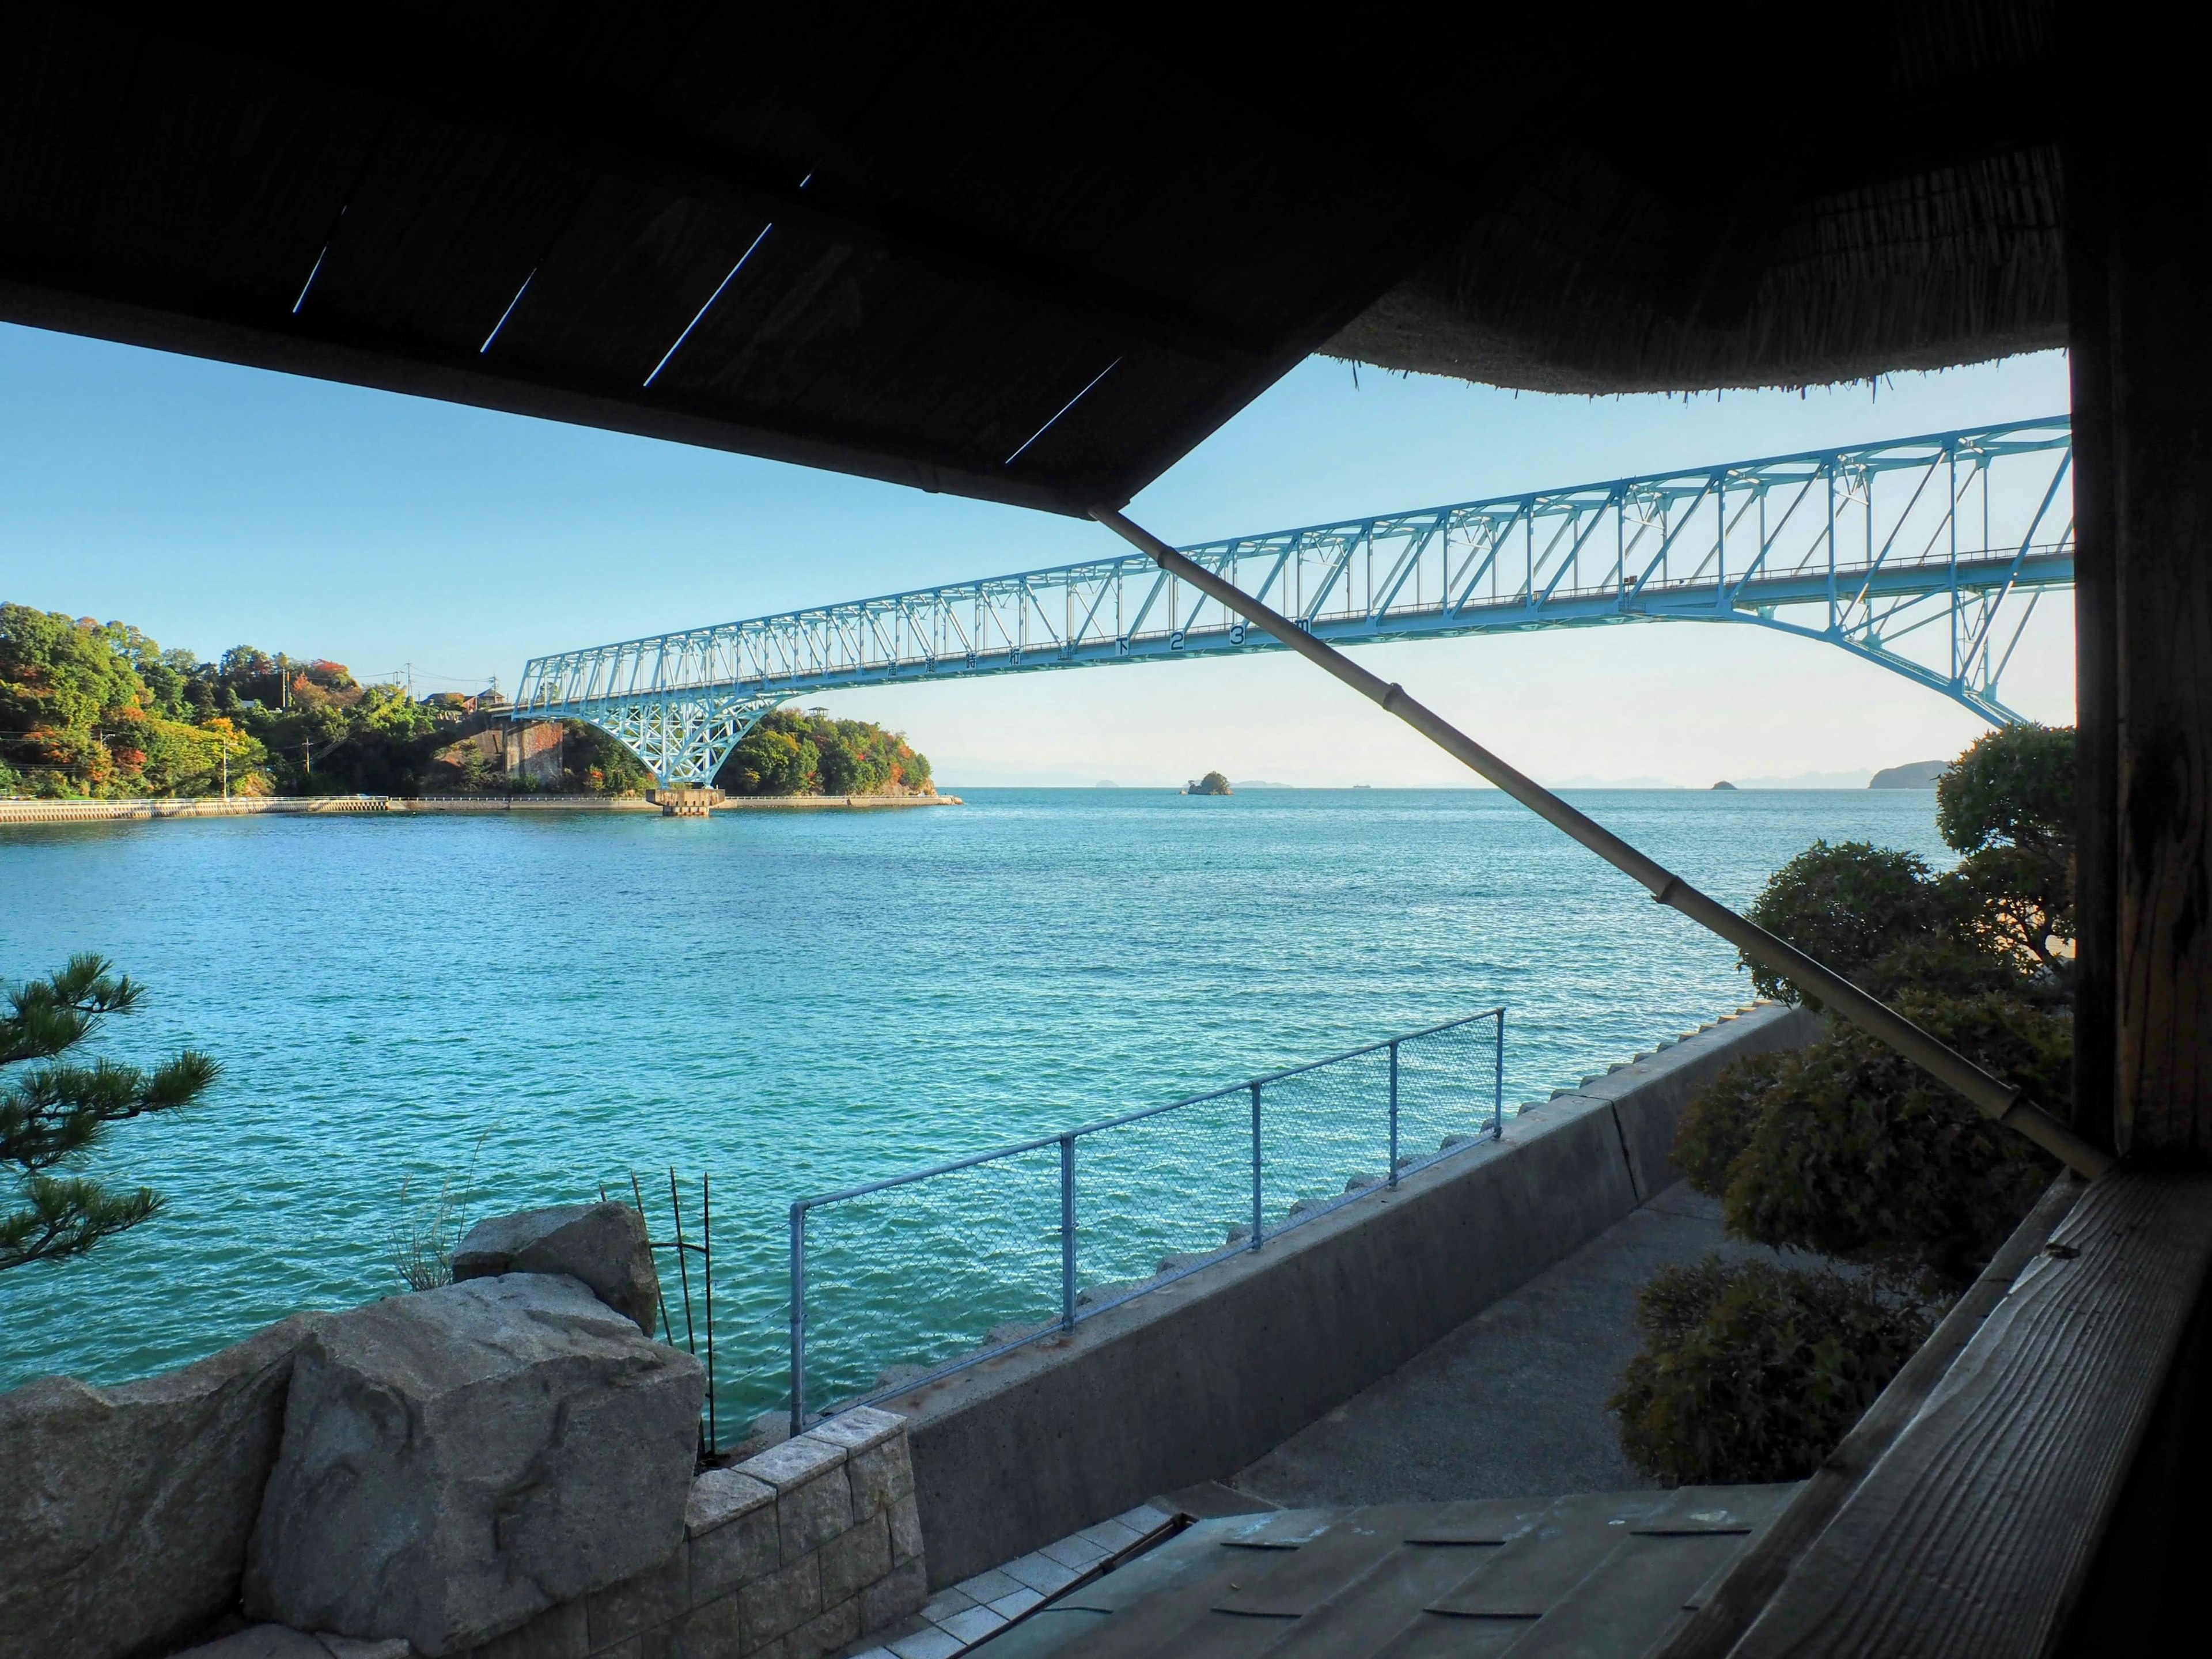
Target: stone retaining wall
<point>501,1467</point>
<point>791,1554</point>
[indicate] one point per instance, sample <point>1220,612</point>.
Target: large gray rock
<point>124,1512</point>
<point>603,1245</point>
<point>456,1461</point>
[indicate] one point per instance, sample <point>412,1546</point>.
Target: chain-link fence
<point>981,1255</point>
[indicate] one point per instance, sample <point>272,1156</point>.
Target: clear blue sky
<point>216,505</point>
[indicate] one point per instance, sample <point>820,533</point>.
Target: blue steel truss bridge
<point>1924,554</point>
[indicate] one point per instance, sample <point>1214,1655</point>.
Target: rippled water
<point>795,1003</point>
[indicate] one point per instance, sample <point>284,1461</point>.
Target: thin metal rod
<point>707,1268</point>
<point>1126,1118</point>
<point>1393,1114</point>
<point>1067,1232</point>
<point>667,1329</point>
<point>1497,1096</point>
<point>1994,1097</point>
<point>798,1319</point>
<point>1256,1218</point>
<point>683,1267</point>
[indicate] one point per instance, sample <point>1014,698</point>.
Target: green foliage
<point>1213,783</point>
<point>792,753</point>
<point>771,762</point>
<point>2008,804</point>
<point>1752,1373</point>
<point>57,1114</point>
<point>1718,1124</point>
<point>593,763</point>
<point>2013,787</point>
<point>73,710</point>
<point>1861,1154</point>
<point>1846,907</point>
<point>1844,1148</point>
<point>88,709</point>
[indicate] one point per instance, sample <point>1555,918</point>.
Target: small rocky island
<point>1913,774</point>
<point>1725,784</point>
<point>1213,783</point>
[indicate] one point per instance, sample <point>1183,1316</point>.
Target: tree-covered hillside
<point>807,753</point>
<point>98,709</point>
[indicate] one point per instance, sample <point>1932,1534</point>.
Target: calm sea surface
<point>524,1010</point>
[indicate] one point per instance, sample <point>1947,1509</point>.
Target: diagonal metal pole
<point>1990,1095</point>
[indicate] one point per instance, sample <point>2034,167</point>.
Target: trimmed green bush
<point>2008,804</point>
<point>1860,1154</point>
<point>1718,1124</point>
<point>1752,1373</point>
<point>1846,906</point>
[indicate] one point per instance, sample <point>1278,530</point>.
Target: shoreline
<point>28,811</point>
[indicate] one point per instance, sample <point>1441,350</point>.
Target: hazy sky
<point>216,505</point>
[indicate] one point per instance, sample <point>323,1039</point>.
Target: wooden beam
<point>1975,1533</point>
<point>2140,292</point>
<point>2160,363</point>
<point>2096,646</point>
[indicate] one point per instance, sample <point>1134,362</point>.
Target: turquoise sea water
<point>532,1007</point>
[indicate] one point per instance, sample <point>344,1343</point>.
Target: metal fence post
<point>1497,1098</point>
<point>798,1319</point>
<point>1067,1232</point>
<point>1256,1220</point>
<point>1394,1111</point>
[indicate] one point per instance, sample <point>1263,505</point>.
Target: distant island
<point>1213,783</point>
<point>1725,784</point>
<point>1913,774</point>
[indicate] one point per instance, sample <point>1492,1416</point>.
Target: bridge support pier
<point>684,801</point>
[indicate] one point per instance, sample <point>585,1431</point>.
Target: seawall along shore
<point>20,811</point>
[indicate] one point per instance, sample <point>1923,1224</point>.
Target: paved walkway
<point>1512,1403</point>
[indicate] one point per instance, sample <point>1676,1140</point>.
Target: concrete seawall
<point>17,811</point>
<point>1200,1378</point>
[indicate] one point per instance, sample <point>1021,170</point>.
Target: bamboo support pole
<point>1990,1095</point>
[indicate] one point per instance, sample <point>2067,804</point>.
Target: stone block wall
<point>792,1554</point>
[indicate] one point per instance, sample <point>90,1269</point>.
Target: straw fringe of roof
<point>1585,281</point>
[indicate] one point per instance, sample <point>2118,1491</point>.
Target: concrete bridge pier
<point>684,801</point>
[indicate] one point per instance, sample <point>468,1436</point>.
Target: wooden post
<point>2096,691</point>
<point>2143,364</point>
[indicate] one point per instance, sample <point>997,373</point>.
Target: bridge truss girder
<point>683,738</point>
<point>1924,555</point>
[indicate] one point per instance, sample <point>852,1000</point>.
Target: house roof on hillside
<point>1030,254</point>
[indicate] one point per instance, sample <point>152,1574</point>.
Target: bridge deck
<point>1926,555</point>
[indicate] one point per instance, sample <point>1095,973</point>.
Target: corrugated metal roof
<point>1611,1575</point>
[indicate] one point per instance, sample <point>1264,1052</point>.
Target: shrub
<point>1719,1121</point>
<point>1858,1153</point>
<point>2015,787</point>
<point>1846,907</point>
<point>2009,805</point>
<point>1752,1372</point>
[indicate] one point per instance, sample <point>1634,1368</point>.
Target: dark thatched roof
<point>1882,191</point>
<point>1031,253</point>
